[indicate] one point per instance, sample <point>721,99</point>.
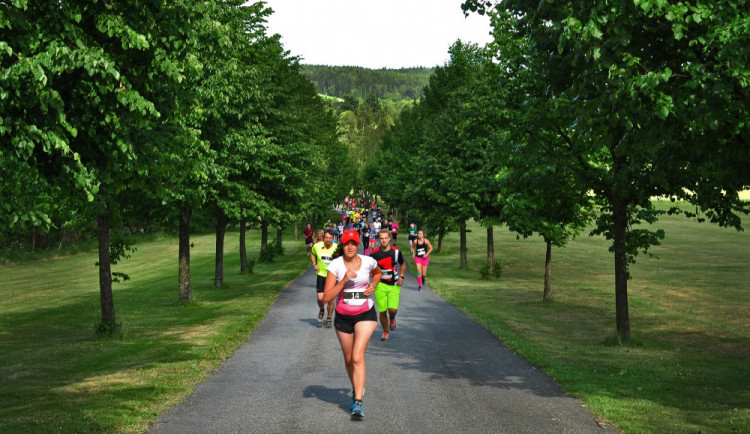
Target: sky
<point>374,33</point>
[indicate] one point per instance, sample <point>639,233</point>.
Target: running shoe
<point>320,316</point>
<point>419,288</point>
<point>329,324</point>
<point>385,337</point>
<point>393,324</point>
<point>358,409</point>
<point>351,404</point>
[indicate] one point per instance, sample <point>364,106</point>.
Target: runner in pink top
<point>356,316</point>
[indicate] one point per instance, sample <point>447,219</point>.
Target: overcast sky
<point>374,33</point>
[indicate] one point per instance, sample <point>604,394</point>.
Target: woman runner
<point>421,250</point>
<point>356,317</point>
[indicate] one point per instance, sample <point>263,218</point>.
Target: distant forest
<point>392,84</point>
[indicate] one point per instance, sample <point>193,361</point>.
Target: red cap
<point>350,235</point>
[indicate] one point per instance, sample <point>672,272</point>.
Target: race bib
<point>326,259</point>
<point>387,275</point>
<point>421,252</point>
<point>354,297</point>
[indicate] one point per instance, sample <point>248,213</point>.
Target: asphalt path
<point>439,372</point>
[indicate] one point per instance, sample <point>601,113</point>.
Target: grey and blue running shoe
<point>358,409</point>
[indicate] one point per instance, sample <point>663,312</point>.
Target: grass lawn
<point>56,376</point>
<point>686,367</point>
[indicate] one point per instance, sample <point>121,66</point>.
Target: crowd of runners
<point>362,289</point>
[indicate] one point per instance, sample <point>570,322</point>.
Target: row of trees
<point>391,84</point>
<point>580,113</point>
<point>131,111</point>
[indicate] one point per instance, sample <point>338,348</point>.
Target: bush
<point>108,330</point>
<point>496,274</point>
<point>250,265</point>
<point>267,255</point>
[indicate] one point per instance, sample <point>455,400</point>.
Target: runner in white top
<point>356,316</point>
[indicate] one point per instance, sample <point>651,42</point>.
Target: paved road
<point>440,372</point>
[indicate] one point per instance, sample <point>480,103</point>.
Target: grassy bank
<point>686,368</point>
<point>56,376</point>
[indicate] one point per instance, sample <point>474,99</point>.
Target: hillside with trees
<point>392,84</point>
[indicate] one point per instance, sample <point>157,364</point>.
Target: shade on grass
<point>686,367</point>
<point>56,376</point>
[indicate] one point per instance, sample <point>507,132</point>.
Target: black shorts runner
<point>320,284</point>
<point>345,323</point>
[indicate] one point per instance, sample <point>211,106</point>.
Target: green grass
<point>686,367</point>
<point>56,376</point>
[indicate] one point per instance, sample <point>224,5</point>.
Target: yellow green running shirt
<point>323,256</point>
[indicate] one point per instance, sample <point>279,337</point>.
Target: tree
<point>454,186</point>
<point>79,104</point>
<point>654,110</point>
<point>540,190</point>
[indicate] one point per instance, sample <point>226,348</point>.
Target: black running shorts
<point>321,283</point>
<point>345,323</point>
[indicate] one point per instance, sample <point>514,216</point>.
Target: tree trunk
<point>33,240</point>
<point>548,273</point>
<point>243,247</point>
<point>105,274</point>
<point>278,239</point>
<point>184,294</point>
<point>62,237</point>
<point>620,221</point>
<point>296,230</point>
<point>441,237</point>
<point>221,229</point>
<point>263,235</point>
<point>464,258</point>
<point>491,249</point>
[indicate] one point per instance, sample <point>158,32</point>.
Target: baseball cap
<point>350,235</point>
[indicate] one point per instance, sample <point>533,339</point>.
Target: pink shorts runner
<point>422,261</point>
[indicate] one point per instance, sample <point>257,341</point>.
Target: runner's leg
<point>347,343</point>
<point>384,321</point>
<point>419,271</point>
<point>362,332</point>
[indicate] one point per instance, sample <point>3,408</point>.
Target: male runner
<point>309,233</point>
<point>321,255</point>
<point>391,262</point>
<point>412,234</point>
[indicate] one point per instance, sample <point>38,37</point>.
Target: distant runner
<point>309,233</point>
<point>321,255</point>
<point>394,230</point>
<point>387,293</point>
<point>421,251</point>
<point>412,234</point>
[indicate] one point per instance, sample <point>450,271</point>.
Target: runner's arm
<point>429,244</point>
<point>332,288</point>
<point>376,274</point>
<point>401,269</point>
